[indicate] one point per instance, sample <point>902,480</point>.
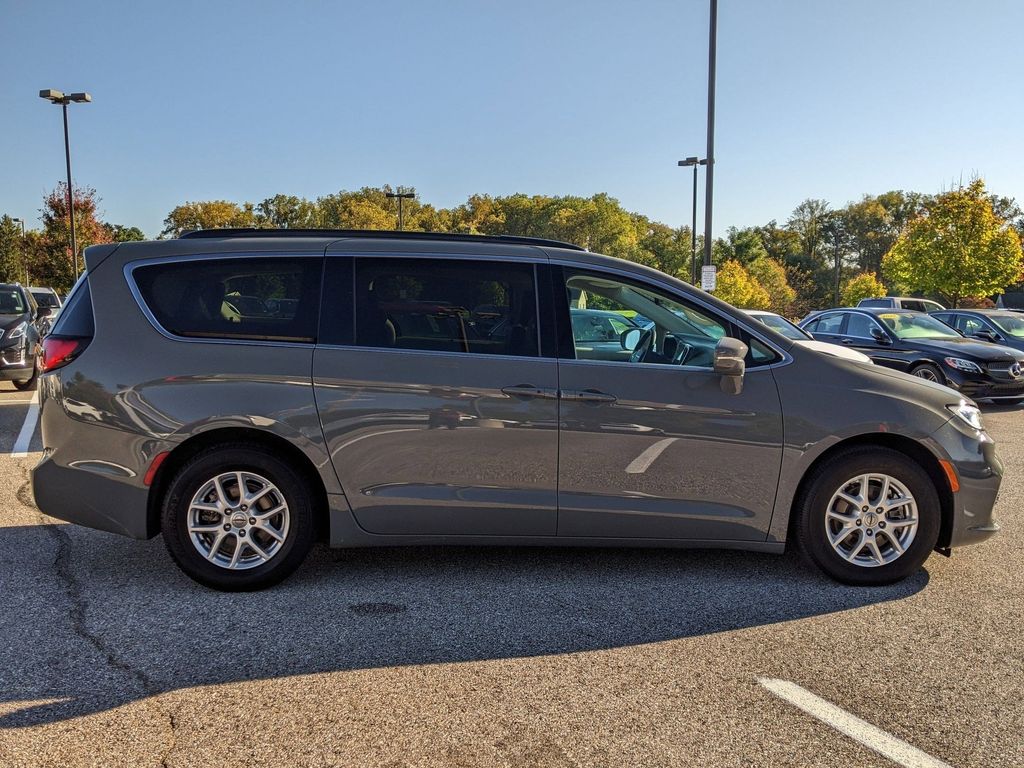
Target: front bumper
<point>15,362</point>
<point>984,386</point>
<point>980,473</point>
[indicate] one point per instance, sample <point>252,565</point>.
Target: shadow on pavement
<point>97,621</point>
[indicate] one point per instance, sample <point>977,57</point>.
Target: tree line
<point>959,246</point>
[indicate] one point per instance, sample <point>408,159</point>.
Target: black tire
<point>928,372</point>
<point>233,457</point>
<point>809,525</point>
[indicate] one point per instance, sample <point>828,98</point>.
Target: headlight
<point>968,413</point>
<point>963,365</point>
<point>17,331</point>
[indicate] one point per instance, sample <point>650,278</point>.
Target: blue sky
<point>242,100</point>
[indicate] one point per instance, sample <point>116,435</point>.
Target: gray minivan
<point>247,392</point>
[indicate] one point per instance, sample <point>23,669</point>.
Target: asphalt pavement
<point>109,656</point>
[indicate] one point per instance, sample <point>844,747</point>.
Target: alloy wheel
<point>871,520</point>
<point>238,520</point>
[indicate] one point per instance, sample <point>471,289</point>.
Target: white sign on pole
<point>708,277</point>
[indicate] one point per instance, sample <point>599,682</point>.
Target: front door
<point>440,415</point>
<point>650,444</point>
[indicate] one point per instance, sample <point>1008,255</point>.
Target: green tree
<point>122,234</point>
<point>737,287</point>
<point>12,249</point>
<point>742,245</point>
<point>771,276</point>
<point>957,248</point>
<point>807,221</point>
<point>287,212</point>
<point>209,214</point>
<point>864,285</point>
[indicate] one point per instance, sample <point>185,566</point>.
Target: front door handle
<point>528,390</point>
<point>847,341</point>
<point>588,396</point>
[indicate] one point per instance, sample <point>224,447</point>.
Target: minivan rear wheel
<point>868,516</point>
<point>235,518</point>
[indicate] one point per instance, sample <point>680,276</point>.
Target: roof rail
<point>374,233</point>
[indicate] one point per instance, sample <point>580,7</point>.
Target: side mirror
<point>880,336</point>
<point>730,364</point>
<point>986,335</point>
<point>630,338</point>
<point>44,312</point>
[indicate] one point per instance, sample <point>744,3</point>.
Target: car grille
<point>1006,371</point>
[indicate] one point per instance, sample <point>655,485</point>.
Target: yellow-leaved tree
<point>736,286</point>
<point>957,248</point>
<point>865,285</point>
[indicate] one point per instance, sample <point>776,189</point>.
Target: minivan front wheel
<point>237,518</point>
<point>868,516</point>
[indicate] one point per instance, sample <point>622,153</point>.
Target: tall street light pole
<point>694,161</point>
<point>710,176</point>
<point>57,97</point>
<point>400,195</point>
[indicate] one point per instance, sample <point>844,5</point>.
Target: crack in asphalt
<point>76,612</point>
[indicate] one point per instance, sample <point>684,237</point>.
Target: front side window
<point>914,325</point>
<point>11,301</point>
<point>859,326</point>
<point>446,305</point>
<point>259,298</point>
<point>969,324</point>
<point>673,333</point>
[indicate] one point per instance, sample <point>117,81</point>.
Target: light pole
<point>694,161</point>
<point>57,97</point>
<point>400,195</point>
<point>710,176</point>
<point>22,249</point>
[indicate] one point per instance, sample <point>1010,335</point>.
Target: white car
<point>800,336</point>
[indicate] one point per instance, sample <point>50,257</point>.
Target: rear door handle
<point>588,396</point>
<point>847,341</point>
<point>528,390</point>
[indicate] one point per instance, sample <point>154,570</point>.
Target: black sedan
<point>999,326</point>
<point>921,345</point>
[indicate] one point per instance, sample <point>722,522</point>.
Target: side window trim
<point>567,349</point>
<point>129,268</point>
<point>538,299</point>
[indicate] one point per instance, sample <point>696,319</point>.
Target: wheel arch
<point>910,448</point>
<point>281,447</point>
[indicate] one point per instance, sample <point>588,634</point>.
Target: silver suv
<point>246,392</point>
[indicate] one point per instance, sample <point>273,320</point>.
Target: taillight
<point>58,351</point>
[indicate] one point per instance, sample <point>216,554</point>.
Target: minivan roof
<point>252,232</point>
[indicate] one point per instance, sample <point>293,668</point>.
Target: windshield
<point>915,325</point>
<point>1011,325</point>
<point>783,326</point>
<point>45,299</point>
<point>11,302</point>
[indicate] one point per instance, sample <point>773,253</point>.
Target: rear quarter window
<point>76,318</point>
<point>259,298</point>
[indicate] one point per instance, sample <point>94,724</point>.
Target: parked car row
<point>25,316</point>
<point>388,388</point>
<point>982,359</point>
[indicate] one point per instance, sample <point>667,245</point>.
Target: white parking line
<point>28,428</point>
<point>859,730</point>
<point>641,463</point>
